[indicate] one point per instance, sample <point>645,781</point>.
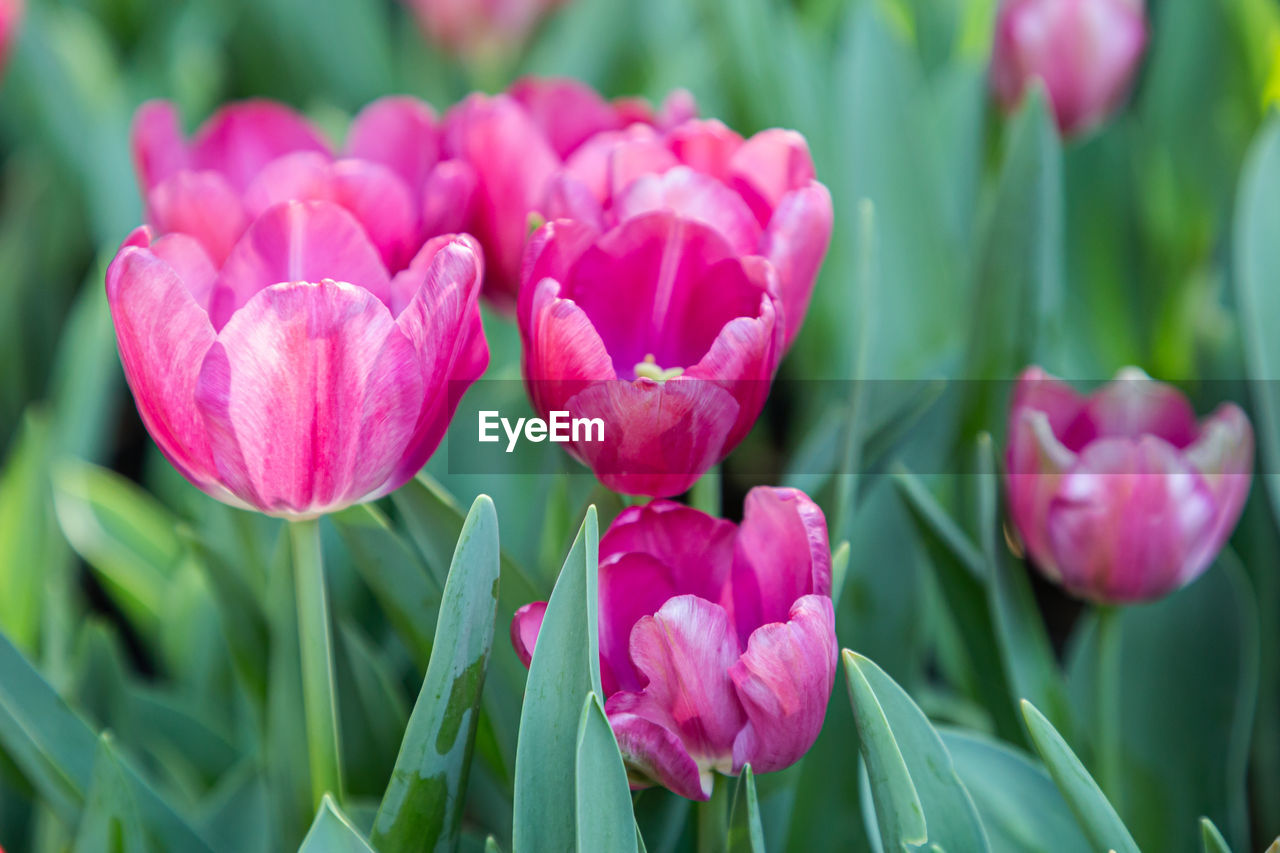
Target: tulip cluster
<point>717,642</point>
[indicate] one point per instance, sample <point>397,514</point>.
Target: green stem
<point>705,494</point>
<point>1108,708</point>
<point>713,819</point>
<point>315,642</point>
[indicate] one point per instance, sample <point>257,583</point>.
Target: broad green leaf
<point>28,548</point>
<point>918,797</point>
<point>422,806</point>
<point>55,750</point>
<point>1021,809</point>
<point>110,821</point>
<point>1030,667</point>
<point>605,818</point>
<point>564,669</point>
<point>1094,814</point>
<point>333,832</point>
<point>373,707</point>
<point>433,520</point>
<point>1212,839</point>
<point>746,833</point>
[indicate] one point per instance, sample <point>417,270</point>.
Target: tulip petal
<point>784,681</point>
<point>1037,389</point>
<point>1224,457</point>
<point>781,555</point>
<point>399,132</point>
<point>163,337</point>
<point>654,754</point>
<point>693,196</point>
<point>310,395</point>
<point>767,167</point>
<point>525,626</point>
<point>707,146</point>
<point>201,204</point>
<point>299,242</point>
<point>1131,521</point>
<point>1036,462</point>
<point>447,197</point>
<point>566,111</point>
<point>607,163</point>
<point>242,138</point>
<point>563,351</point>
<point>159,149</point>
<point>795,243</point>
<point>192,264</point>
<point>1131,405</point>
<point>696,548</point>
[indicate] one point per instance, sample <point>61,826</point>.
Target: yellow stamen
<point>648,369</point>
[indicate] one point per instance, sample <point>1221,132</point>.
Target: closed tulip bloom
<point>252,155</point>
<point>660,330</point>
<point>10,18</point>
<point>1121,495</point>
<point>1084,51</point>
<point>480,29</point>
<point>717,641</point>
<point>761,194</point>
<point>515,142</point>
<point>299,376</point>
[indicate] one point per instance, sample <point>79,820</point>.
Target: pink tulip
<point>299,376</point>
<point>717,642</point>
<point>516,142</point>
<point>480,29</point>
<point>255,154</point>
<point>1121,495</point>
<point>1084,51</point>
<point>761,194</point>
<point>658,328</point>
<point>10,18</point>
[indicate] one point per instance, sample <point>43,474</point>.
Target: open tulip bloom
<point>298,376</point>
<point>717,641</point>
<point>1121,495</point>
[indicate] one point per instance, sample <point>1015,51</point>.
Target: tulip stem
<point>713,818</point>
<point>1107,697</point>
<point>315,643</point>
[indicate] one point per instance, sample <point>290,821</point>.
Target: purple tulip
<point>1085,52</point>
<point>1121,495</point>
<point>717,641</point>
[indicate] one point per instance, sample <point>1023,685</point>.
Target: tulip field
<point>690,426</point>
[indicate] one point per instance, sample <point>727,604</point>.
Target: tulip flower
<point>717,642</point>
<point>252,155</point>
<point>515,142</point>
<point>480,29</point>
<point>1121,495</point>
<point>761,194</point>
<point>660,330</point>
<point>1084,51</point>
<point>299,376</point>
<point>10,18</point>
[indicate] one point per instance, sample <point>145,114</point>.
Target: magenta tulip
<point>761,194</point>
<point>717,642</point>
<point>1121,495</point>
<point>1084,51</point>
<point>658,329</point>
<point>299,376</point>
<point>255,154</point>
<point>516,142</point>
<point>480,29</point>
<point>10,18</point>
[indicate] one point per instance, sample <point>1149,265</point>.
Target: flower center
<point>649,369</point>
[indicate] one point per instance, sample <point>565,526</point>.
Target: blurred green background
<point>967,245</point>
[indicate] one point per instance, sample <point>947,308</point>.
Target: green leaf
<point>1030,667</point>
<point>28,538</point>
<point>1093,813</point>
<point>746,832</point>
<point>55,750</point>
<point>110,822</point>
<point>564,669</point>
<point>422,807</point>
<point>1021,809</point>
<point>605,818</point>
<point>333,832</point>
<point>1211,838</point>
<point>918,797</point>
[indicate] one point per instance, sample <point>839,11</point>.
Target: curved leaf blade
<point>333,832</point>
<point>606,820</point>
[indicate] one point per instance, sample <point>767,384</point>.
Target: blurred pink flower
<point>299,376</point>
<point>480,29</point>
<point>761,193</point>
<point>10,19</point>
<point>1085,51</point>
<point>515,142</point>
<point>254,154</point>
<point>717,642</point>
<point>658,328</point>
<point>1121,495</point>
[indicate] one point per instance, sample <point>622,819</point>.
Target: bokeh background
<point>967,245</point>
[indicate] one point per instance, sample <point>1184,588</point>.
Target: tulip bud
<point>480,29</point>
<point>1084,51</point>
<point>660,330</point>
<point>299,376</point>
<point>1121,496</point>
<point>717,641</point>
<point>10,18</point>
